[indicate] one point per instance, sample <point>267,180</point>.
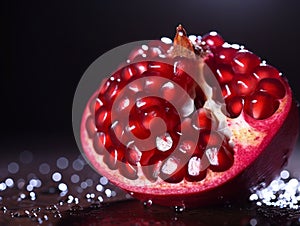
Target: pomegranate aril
<point>152,169</point>
<point>95,105</point>
<point>224,54</point>
<point>165,70</point>
<point>210,138</point>
<point>135,87</point>
<point>169,92</point>
<point>228,91</point>
<point>202,119</point>
<point>187,148</point>
<point>112,157</point>
<point>272,86</point>
<point>90,126</point>
<point>266,71</point>
<point>103,119</point>
<point>137,129</point>
<point>101,142</point>
<point>183,68</point>
<point>213,39</point>
<point>234,106</point>
<point>104,87</point>
<point>261,105</point>
<point>128,72</point>
<point>153,85</point>
<point>243,85</point>
<point>220,158</point>
<point>133,154</point>
<point>195,169</point>
<point>244,62</point>
<point>172,170</point>
<point>127,170</point>
<point>118,134</point>
<point>141,66</point>
<point>224,74</point>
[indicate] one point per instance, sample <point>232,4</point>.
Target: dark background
<point>48,45</point>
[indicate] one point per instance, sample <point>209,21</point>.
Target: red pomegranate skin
<point>263,138</point>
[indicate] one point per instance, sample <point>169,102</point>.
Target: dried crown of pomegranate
<point>190,122</point>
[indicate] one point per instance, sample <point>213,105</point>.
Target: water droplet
<point>148,203</point>
<point>179,209</point>
<point>13,167</point>
<point>3,209</point>
<point>62,163</point>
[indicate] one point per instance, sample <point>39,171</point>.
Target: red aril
<point>190,124</point>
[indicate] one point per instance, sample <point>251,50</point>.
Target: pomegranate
<point>192,122</point>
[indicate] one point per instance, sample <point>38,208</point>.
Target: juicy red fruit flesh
<point>151,121</point>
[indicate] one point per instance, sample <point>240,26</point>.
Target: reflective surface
<point>56,189</point>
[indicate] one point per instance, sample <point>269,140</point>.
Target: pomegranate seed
<point>101,142</point>
<point>210,138</point>
<point>128,170</point>
<point>102,119</point>
<point>272,86</point>
<point>128,72</point>
<point>117,133</point>
<point>164,70</point>
<point>141,67</point>
<point>224,74</point>
<point>90,126</point>
<point>112,158</point>
<point>95,105</point>
<point>135,87</point>
<point>187,147</point>
<point>202,119</point>
<point>228,91</point>
<point>256,106</point>
<point>172,170</point>
<point>220,159</point>
<point>112,91</point>
<point>185,129</point>
<point>122,106</point>
<point>213,39</point>
<point>137,129</point>
<point>133,155</point>
<point>152,169</point>
<point>266,71</point>
<point>153,85</point>
<point>183,68</point>
<point>169,92</point>
<point>234,106</point>
<point>195,169</point>
<point>244,62</point>
<point>224,55</point>
<point>243,85</point>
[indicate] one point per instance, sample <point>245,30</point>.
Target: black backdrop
<point>48,45</point>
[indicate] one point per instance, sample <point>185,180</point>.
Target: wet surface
<point>60,188</point>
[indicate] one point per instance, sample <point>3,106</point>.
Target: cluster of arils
<point>152,113</point>
<point>247,83</point>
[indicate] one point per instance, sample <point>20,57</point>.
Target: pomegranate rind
<point>261,150</point>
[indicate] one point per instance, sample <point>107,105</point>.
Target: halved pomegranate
<point>191,123</point>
